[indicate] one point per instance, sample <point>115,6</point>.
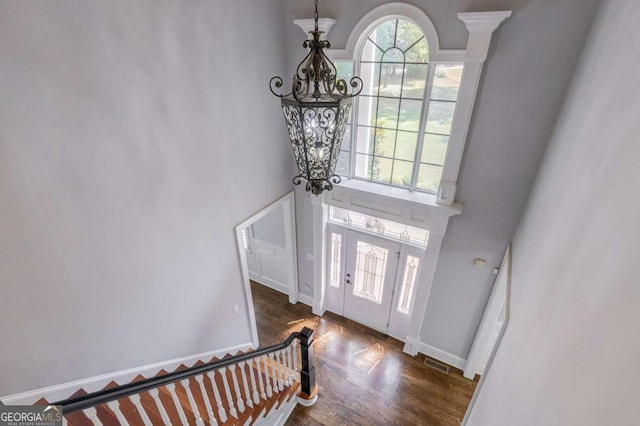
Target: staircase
<point>260,387</point>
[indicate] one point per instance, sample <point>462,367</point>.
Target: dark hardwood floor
<point>363,376</point>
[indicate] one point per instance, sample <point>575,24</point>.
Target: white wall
<point>571,349</point>
<point>530,64</point>
<point>126,159</point>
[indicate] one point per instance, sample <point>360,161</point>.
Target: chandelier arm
<point>276,83</point>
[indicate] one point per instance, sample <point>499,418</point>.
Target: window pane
<point>381,169</point>
<point>402,173</point>
<point>344,69</point>
<point>408,34</point>
<point>385,142</point>
<point>363,166</point>
<point>429,177</point>
<point>387,115</point>
<point>366,109</point>
<point>393,55</point>
<point>434,149</point>
<point>335,257</point>
<point>408,284</point>
<point>415,77</point>
<point>384,34</point>
<point>346,140</point>
<point>406,146</point>
<point>370,75</point>
<point>395,230</point>
<point>440,117</point>
<point>371,265</point>
<point>365,140</point>
<point>410,115</point>
<point>446,82</point>
<point>390,107</point>
<point>343,165</point>
<point>419,52</point>
<point>391,80</point>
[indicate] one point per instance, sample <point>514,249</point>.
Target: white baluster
<point>222,414</point>
<point>163,413</point>
<point>296,373</point>
<point>92,415</point>
<point>192,402</point>
<point>275,376</point>
<point>290,364</point>
<point>252,375</point>
<point>243,374</point>
<point>266,376</point>
<point>280,355</point>
<point>176,401</point>
<point>115,407</point>
<point>205,396</point>
<point>135,398</point>
<point>227,391</point>
<point>260,379</point>
<point>239,400</point>
<point>283,367</point>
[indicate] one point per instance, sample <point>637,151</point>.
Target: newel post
<point>309,390</point>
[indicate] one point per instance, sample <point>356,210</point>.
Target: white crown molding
<point>483,21</point>
<point>324,25</point>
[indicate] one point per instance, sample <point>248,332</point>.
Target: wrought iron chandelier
<point>316,112</point>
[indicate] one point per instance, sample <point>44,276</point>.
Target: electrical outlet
<point>236,308</point>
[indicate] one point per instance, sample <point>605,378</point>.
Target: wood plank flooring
<point>363,376</point>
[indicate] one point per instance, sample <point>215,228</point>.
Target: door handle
<point>348,280</point>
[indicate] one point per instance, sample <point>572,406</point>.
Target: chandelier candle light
<point>316,113</point>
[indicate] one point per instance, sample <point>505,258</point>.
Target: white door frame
<point>288,207</point>
<point>350,196</point>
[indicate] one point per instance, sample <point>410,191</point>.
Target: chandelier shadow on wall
<point>316,112</point>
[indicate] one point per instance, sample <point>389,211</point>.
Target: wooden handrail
<point>107,395</point>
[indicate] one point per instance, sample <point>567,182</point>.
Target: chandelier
<point>316,112</point>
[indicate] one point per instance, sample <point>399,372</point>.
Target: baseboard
<point>273,285</point>
<point>96,383</point>
<point>440,355</point>
<point>306,299</point>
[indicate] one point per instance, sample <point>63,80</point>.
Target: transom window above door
<point>401,124</point>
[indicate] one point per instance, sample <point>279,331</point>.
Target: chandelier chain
<point>315,15</point>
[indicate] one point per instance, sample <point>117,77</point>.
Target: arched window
<point>403,118</point>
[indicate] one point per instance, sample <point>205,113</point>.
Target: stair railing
<point>270,370</point>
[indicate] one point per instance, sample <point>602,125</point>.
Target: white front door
<point>370,272</point>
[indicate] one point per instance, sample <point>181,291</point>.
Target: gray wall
<point>529,67</point>
<point>270,228</point>
<point>124,159</point>
<point>570,352</point>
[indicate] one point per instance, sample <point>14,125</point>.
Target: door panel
<point>371,264</point>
